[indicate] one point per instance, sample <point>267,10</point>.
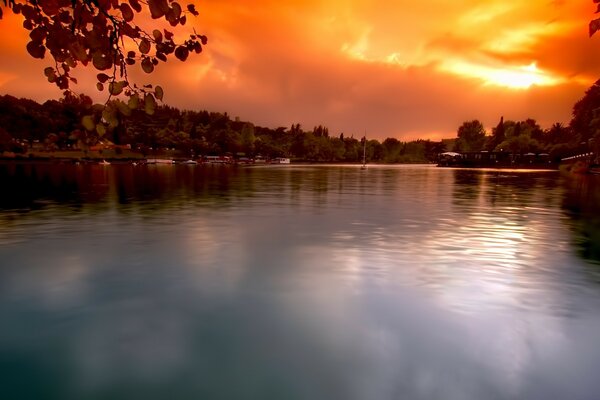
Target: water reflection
<point>303,282</point>
<point>582,204</point>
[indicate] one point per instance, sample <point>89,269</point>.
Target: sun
<point>511,77</point>
<point>522,77</point>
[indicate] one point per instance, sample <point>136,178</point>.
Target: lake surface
<point>297,282</point>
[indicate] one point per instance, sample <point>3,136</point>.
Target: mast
<point>365,150</point>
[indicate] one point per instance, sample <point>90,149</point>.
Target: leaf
<point>192,9</point>
<point>176,9</point>
<point>109,115</point>
<point>100,130</point>
<point>144,46</point>
<point>131,31</point>
<point>173,14</point>
<point>49,71</point>
<point>36,50</point>
<point>99,86</point>
<point>88,123</point>
<point>149,104</point>
<point>102,77</point>
<point>115,88</point>
<point>101,61</point>
<point>134,102</point>
<point>158,8</point>
<point>147,65</point>
<point>135,4</point>
<point>157,35</point>
<point>126,11</point>
<point>38,34</point>
<point>158,92</point>
<point>170,16</point>
<point>594,26</point>
<point>78,51</point>
<point>181,53</point>
<point>104,4</point>
<point>50,7</point>
<point>62,82</point>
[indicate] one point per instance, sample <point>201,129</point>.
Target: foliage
<point>105,34</point>
<point>594,25</point>
<point>471,136</point>
<point>71,123</point>
<point>498,136</point>
<point>520,144</point>
<point>586,114</point>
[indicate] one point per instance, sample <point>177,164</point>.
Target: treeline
<point>61,125</point>
<point>581,135</point>
<point>57,125</point>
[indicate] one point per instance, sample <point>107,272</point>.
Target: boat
<point>189,162</point>
<point>159,161</point>
<point>217,160</point>
<point>280,160</point>
<point>104,162</point>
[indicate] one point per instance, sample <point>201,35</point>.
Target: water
<point>297,282</point>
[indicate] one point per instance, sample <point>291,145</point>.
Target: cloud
<point>405,70</point>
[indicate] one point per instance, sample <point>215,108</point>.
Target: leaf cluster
<point>594,25</point>
<point>104,34</point>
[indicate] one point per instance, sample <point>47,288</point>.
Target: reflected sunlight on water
<point>297,282</point>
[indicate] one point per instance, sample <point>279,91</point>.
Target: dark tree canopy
<point>586,114</point>
<point>471,136</point>
<point>107,35</point>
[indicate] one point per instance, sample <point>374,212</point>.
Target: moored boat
<point>159,161</point>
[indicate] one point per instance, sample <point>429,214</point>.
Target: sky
<point>404,69</point>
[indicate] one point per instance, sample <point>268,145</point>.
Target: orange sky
<point>405,69</point>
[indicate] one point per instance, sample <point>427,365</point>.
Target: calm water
<point>297,282</point>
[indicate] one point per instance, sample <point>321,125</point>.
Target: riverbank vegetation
<point>27,127</point>
<point>58,128</point>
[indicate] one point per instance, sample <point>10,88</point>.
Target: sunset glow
<point>521,77</point>
<point>395,70</point>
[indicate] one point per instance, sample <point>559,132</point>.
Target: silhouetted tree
<point>471,136</point>
<point>497,137</point>
<point>392,149</point>
<point>585,123</point>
